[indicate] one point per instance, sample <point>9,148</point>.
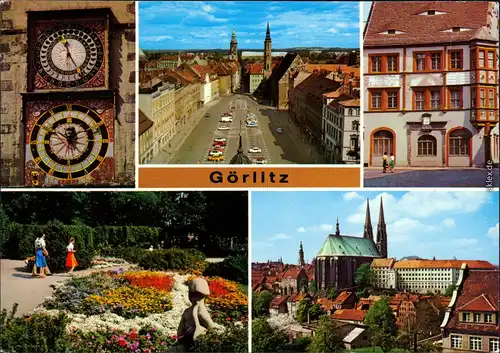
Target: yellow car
<point>216,158</point>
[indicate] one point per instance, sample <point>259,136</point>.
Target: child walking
<point>71,262</point>
<point>384,162</point>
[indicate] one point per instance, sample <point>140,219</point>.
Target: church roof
<point>240,157</point>
<point>342,245</point>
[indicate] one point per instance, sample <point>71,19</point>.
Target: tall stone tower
<point>268,67</point>
<point>302,262</point>
<point>233,48</point>
<point>382,232</point>
<point>368,231</point>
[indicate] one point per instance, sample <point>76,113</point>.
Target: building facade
<point>36,101</point>
<point>431,76</point>
<point>471,322</point>
<point>159,106</point>
<point>421,276</point>
<point>146,138</point>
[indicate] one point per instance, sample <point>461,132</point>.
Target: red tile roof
<point>479,292</point>
<point>325,303</point>
<point>279,300</point>
<point>256,69</point>
<point>292,272</point>
<point>423,29</point>
<point>349,314</point>
<point>295,297</point>
<point>382,262</point>
<point>472,264</point>
<point>271,279</point>
<point>342,297</point>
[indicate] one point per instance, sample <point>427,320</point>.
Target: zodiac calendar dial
<point>68,55</point>
<point>69,141</point>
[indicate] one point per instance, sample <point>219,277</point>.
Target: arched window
<point>350,112</point>
<point>427,146</point>
<point>460,142</point>
<point>382,142</point>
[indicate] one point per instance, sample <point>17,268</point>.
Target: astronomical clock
<point>69,110</point>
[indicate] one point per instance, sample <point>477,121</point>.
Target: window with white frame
<point>488,318</point>
<point>475,343</point>
<point>455,98</point>
<point>435,99</point>
<point>494,345</point>
<point>419,100</point>
<point>477,317</point>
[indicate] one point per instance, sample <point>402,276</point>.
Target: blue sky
<point>462,224</point>
<point>208,25</point>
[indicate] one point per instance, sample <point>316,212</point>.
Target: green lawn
<point>373,350</point>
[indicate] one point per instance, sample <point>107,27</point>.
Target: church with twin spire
<point>341,255</point>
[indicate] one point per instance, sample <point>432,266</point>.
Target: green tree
<point>382,324</point>
<point>315,311</point>
<point>265,338</point>
<point>303,309</point>
<point>381,317</point>
<point>303,285</point>
<point>260,303</point>
<point>326,338</point>
<point>312,286</point>
<point>363,280</point>
<point>299,345</point>
<point>449,290</point>
<point>428,319</point>
<point>332,294</point>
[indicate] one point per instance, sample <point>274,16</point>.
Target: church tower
<point>233,48</point>
<point>302,262</point>
<point>382,233</point>
<point>268,68</point>
<point>368,232</point>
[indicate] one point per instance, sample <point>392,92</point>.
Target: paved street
<point>429,178</point>
<point>277,148</point>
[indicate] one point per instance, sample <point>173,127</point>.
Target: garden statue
<point>195,320</point>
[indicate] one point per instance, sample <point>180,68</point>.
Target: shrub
<point>172,259</point>
<point>132,255</point>
<point>234,268</point>
<point>39,333</point>
<point>126,236</point>
<point>234,339</point>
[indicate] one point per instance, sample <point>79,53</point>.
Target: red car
<point>219,143</point>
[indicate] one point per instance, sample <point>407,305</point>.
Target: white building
<point>430,78</point>
<point>158,104</point>
<point>206,90</point>
<point>420,276</point>
<point>349,113</point>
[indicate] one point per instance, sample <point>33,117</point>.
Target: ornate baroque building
<point>431,83</point>
<point>341,255</point>
<point>67,93</point>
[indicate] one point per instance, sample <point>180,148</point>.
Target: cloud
<point>332,30</point>
<point>352,196</point>
<point>208,8</point>
<point>301,230</point>
<point>465,241</point>
<point>421,205</point>
<point>448,223</point>
<point>280,236</point>
<point>155,38</point>
<point>318,228</point>
<point>493,232</point>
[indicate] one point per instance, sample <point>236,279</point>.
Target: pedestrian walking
<point>392,163</point>
<point>71,262</point>
<point>41,252</point>
<point>384,162</point>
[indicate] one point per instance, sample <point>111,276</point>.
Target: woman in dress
<point>71,262</point>
<point>40,261</point>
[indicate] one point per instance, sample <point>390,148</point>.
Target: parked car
<point>219,143</point>
<point>223,128</point>
<point>207,115</point>
<point>226,119</point>
<point>280,130</point>
<point>255,150</point>
<point>220,139</point>
<point>252,124</point>
<point>261,160</point>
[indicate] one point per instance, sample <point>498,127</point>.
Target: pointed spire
<point>337,230</point>
<point>381,219</point>
<point>234,33</point>
<point>240,147</point>
<point>268,32</point>
<point>368,231</point>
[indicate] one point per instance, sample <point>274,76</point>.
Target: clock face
<point>68,55</point>
<point>69,141</point>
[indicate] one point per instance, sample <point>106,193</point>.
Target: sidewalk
<point>167,153</point>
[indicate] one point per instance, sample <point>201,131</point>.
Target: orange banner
<point>227,177</point>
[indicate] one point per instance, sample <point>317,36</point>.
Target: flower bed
<point>159,280</point>
<point>135,311</point>
<point>105,262</point>
<point>282,322</point>
<point>226,301</point>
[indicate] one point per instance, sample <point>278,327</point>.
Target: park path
<point>18,286</point>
